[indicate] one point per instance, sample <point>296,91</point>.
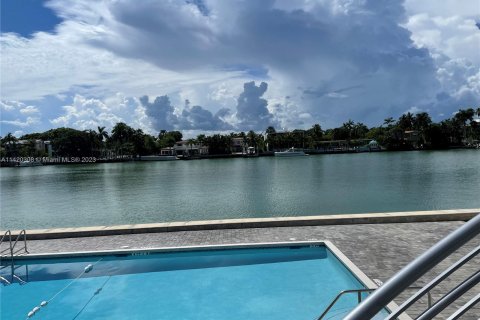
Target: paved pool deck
<point>379,250</point>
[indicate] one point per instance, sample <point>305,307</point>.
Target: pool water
<point>262,283</point>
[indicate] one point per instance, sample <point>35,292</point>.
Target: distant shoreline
<point>48,161</point>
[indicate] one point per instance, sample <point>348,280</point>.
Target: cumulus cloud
<point>340,44</point>
<point>161,112</point>
<point>68,62</point>
<point>30,121</point>
<point>460,82</point>
<point>252,110</point>
<point>16,114</point>
<point>290,115</point>
<point>335,60</point>
<point>449,30</point>
<point>162,115</point>
<point>29,110</point>
<point>456,36</point>
<point>445,8</point>
<point>9,105</point>
<point>89,113</point>
<point>198,118</point>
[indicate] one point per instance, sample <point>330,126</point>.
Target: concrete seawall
<point>343,219</point>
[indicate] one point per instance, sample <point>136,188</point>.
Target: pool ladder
<point>8,254</point>
<point>359,293</point>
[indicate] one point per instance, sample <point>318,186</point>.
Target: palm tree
<point>388,122</point>
<point>10,144</point>
<point>102,134</point>
<point>93,141</point>
<point>102,137</point>
<point>422,122</point>
<point>252,139</point>
<point>348,129</point>
<point>270,132</point>
<point>121,135</point>
<point>191,143</point>
<point>465,115</point>
<point>405,122</point>
<point>359,130</point>
<point>9,138</point>
<point>201,139</point>
<point>461,118</point>
<point>317,131</point>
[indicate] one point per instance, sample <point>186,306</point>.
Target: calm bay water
<point>144,192</point>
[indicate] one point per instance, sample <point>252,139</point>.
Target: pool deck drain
<point>379,250</point>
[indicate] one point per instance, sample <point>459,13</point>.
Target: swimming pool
<point>268,282</point>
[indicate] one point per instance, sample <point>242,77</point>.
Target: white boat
<point>158,158</point>
<point>370,147</point>
<point>27,163</point>
<point>292,152</point>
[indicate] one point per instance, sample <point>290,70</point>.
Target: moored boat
<point>292,152</point>
<point>158,158</point>
<point>28,163</point>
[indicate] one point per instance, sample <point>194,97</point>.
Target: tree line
<point>409,131</point>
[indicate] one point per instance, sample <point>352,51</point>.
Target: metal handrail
<point>5,234</point>
<point>450,297</point>
<point>467,306</point>
<point>427,288</point>
<point>12,244</point>
<point>24,232</point>
<point>359,292</point>
<point>11,247</point>
<point>9,233</point>
<point>413,271</point>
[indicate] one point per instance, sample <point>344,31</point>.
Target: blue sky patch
<point>26,17</point>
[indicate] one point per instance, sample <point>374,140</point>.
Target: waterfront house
<point>239,145</point>
<point>186,149</point>
<point>412,137</point>
<point>169,151</point>
<point>35,147</point>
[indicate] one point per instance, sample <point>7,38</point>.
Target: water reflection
<point>127,193</point>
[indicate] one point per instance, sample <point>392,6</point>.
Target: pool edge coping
<point>342,258</point>
<point>291,221</point>
<point>362,277</point>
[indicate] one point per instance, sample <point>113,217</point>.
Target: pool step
<point>12,276</point>
<point>4,281</point>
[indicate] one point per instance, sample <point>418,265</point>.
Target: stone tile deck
<point>379,250</point>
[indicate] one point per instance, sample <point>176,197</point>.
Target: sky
<point>204,66</point>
